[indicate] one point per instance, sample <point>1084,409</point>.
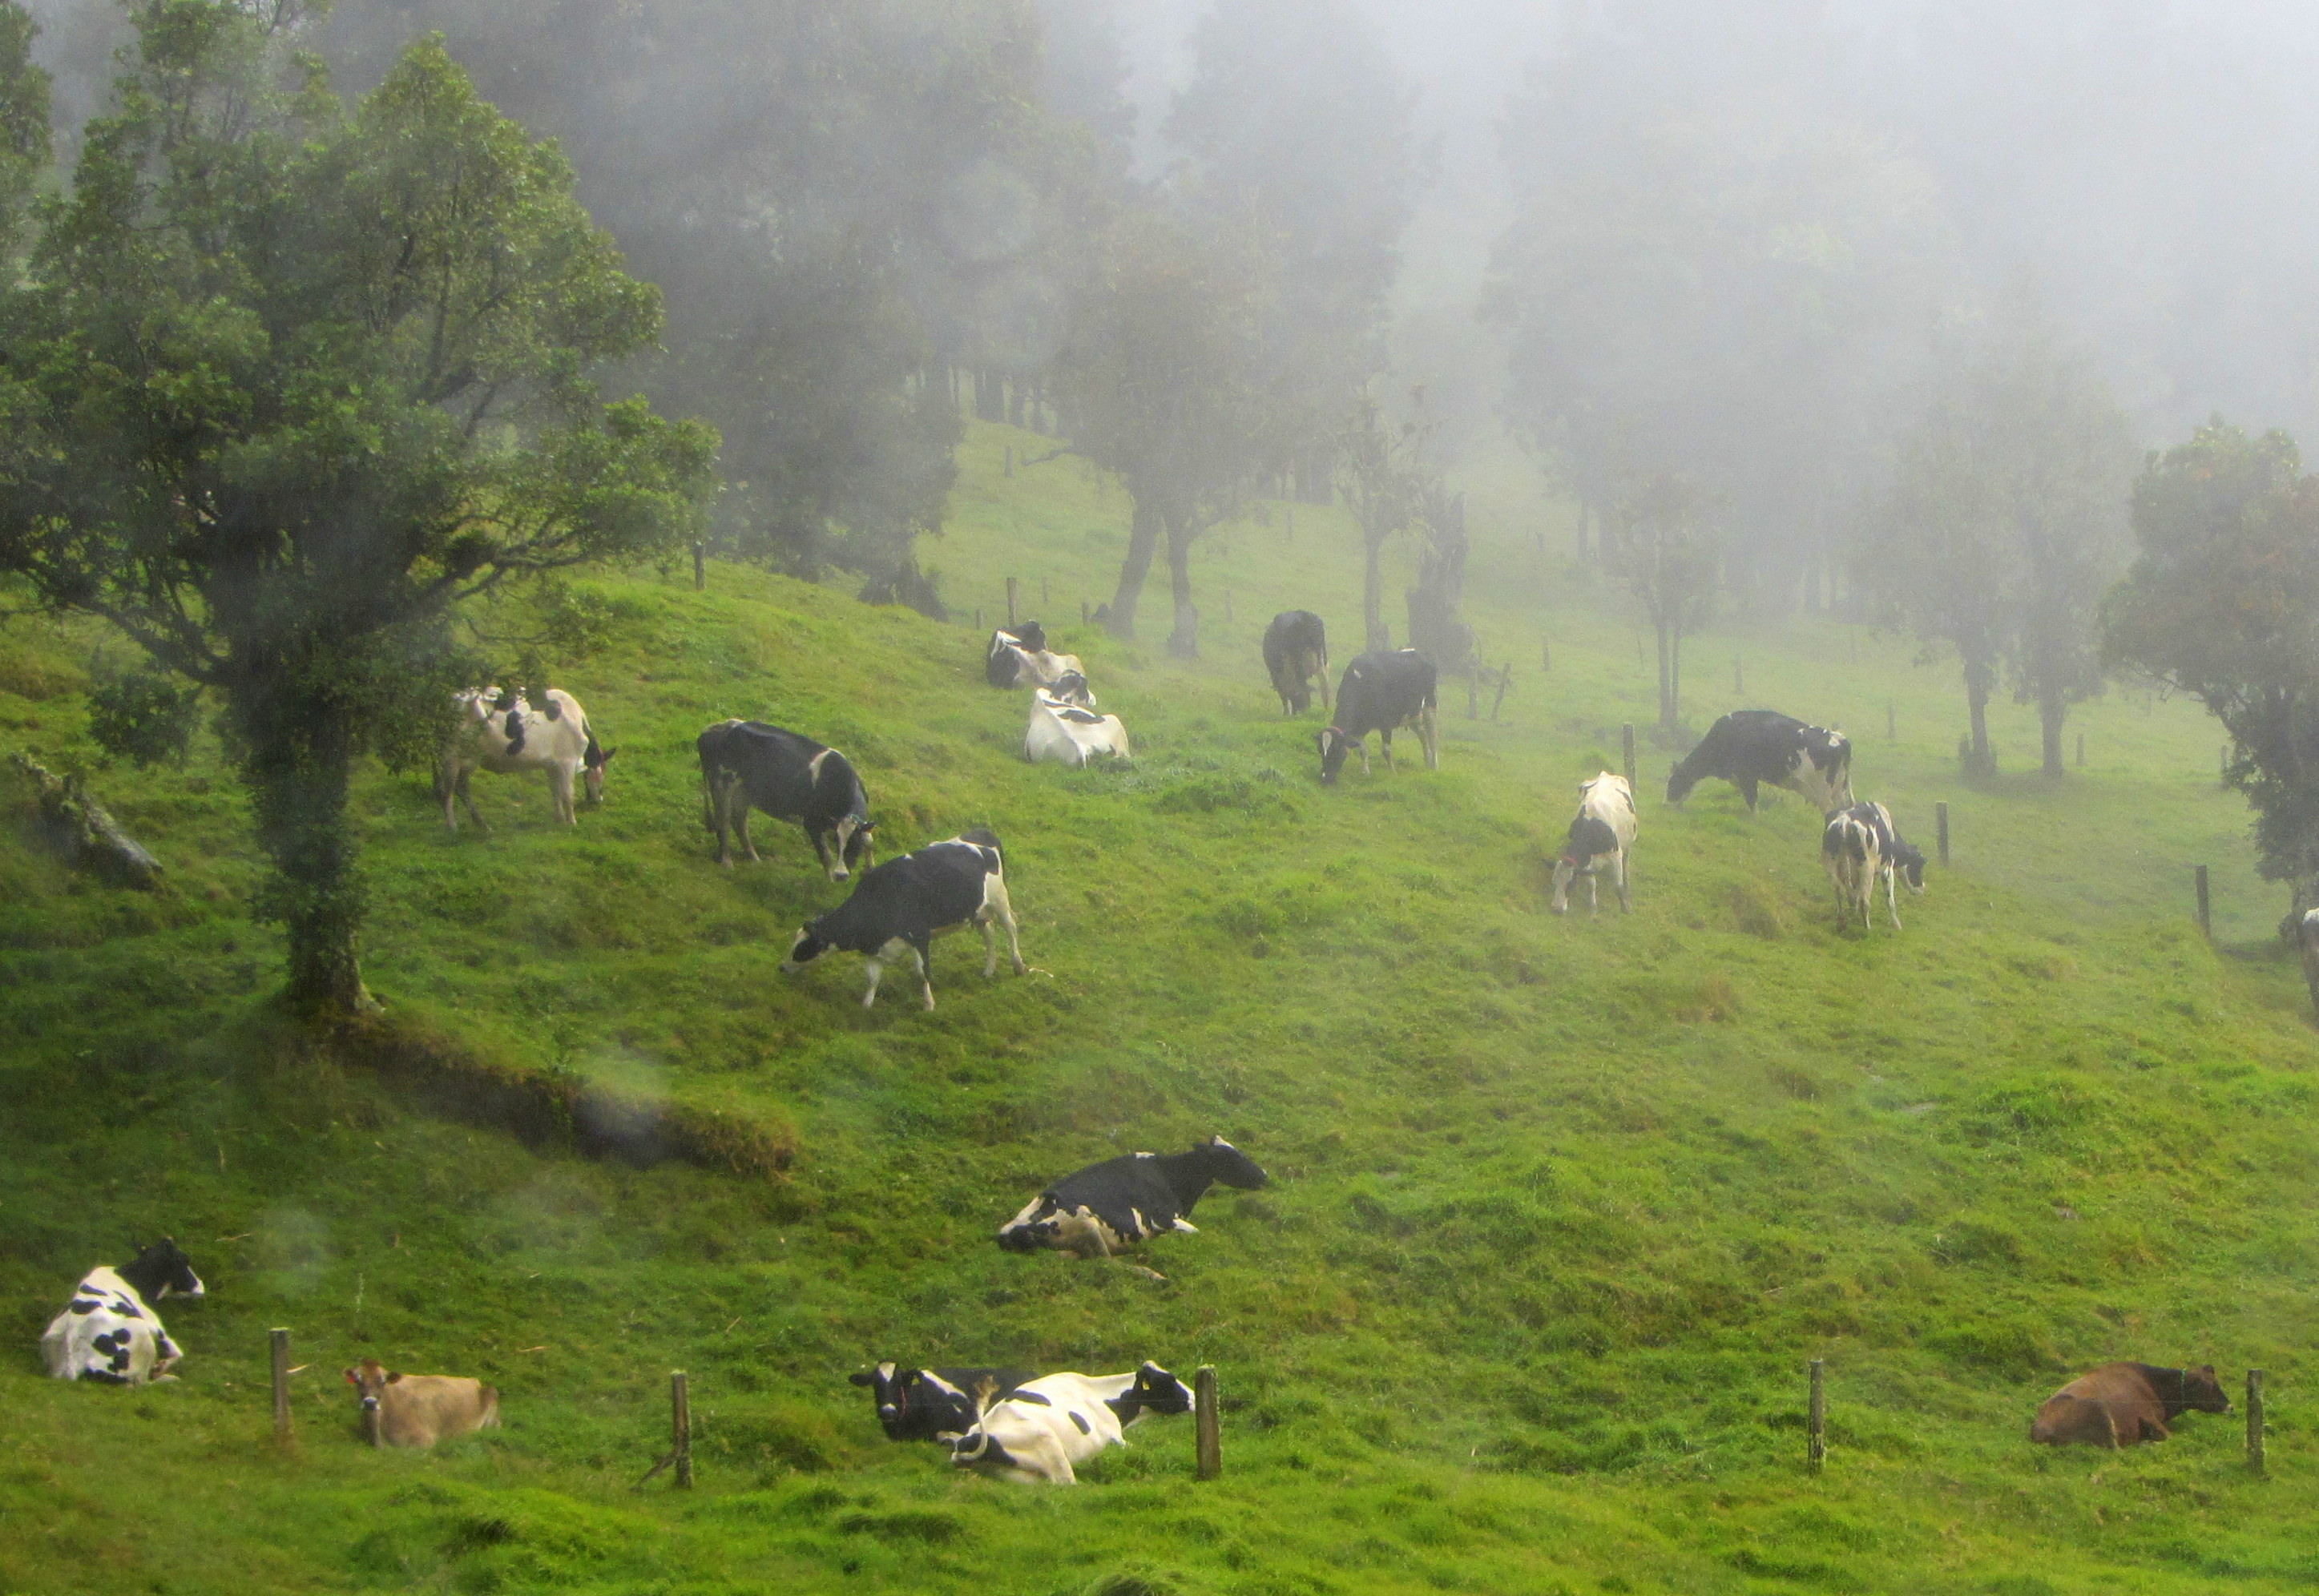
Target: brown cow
<point>2119,1404</point>
<point>420,1410</point>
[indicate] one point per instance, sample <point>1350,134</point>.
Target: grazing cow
<point>1858,845</point>
<point>1122,1203</point>
<point>1603,832</point>
<point>926,1404</point>
<point>1749,747</point>
<point>904,904</point>
<point>2123,1404</point>
<point>2306,942</point>
<point>1381,691</point>
<point>1296,653</point>
<point>420,1410</point>
<point>746,764</point>
<point>1063,734</point>
<point>1020,658</point>
<point>109,1333</point>
<point>1040,1430</point>
<point>499,732</point>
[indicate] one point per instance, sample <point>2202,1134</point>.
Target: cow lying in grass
<point>2122,1405</point>
<point>1063,734</point>
<point>108,1332</point>
<point>1109,1208</point>
<point>1041,1430</point>
<point>926,1404</point>
<point>420,1410</point>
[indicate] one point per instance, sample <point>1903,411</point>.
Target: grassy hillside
<point>1561,1209</point>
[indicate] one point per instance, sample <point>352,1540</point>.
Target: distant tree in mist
<point>1384,479</point>
<point>281,386</point>
<point>1729,284</point>
<point>844,201</point>
<point>2005,523</point>
<point>1159,380</point>
<point>1661,541</point>
<point>2223,604</point>
<point>1296,124</point>
<point>23,127</point>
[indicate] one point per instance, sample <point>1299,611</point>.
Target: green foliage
<point>145,716</point>
<point>2223,605</point>
<point>23,123</point>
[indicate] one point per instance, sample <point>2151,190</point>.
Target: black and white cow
<point>746,764</point>
<point>1122,1203</point>
<point>1380,692</point>
<point>900,907</point>
<point>1752,747</point>
<point>1602,833</point>
<point>1296,654</point>
<point>1857,845</point>
<point>926,1404</point>
<point>1021,658</point>
<point>109,1331</point>
<point>1039,1431</point>
<point>497,729</point>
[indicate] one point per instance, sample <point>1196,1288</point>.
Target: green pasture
<point>1562,1207</point>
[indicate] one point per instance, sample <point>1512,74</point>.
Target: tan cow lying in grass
<point>2120,1404</point>
<point>420,1410</point>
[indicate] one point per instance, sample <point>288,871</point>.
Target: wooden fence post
<point>1941,822</point>
<point>279,1346</point>
<point>680,1403</point>
<point>1505,680</point>
<point>2081,750</point>
<point>1043,599</point>
<point>978,617</point>
<point>700,565</point>
<point>2254,1420</point>
<point>1545,655</point>
<point>1010,603</point>
<point>1208,1427</point>
<point>1228,609</point>
<point>1816,1417</point>
<point>1083,612</point>
<point>2206,905</point>
<point>1738,675</point>
<point>1010,459</point>
<point>1627,745</point>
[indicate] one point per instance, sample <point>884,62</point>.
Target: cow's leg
<point>995,906</point>
<point>559,790</point>
<point>877,969</point>
<point>1327,702</point>
<point>1892,895</point>
<point>922,947</point>
<point>468,797</point>
<point>1747,785</point>
<point>821,850</point>
<point>1428,732</point>
<point>1619,862</point>
<point>741,823</point>
<point>1385,737</point>
<point>1593,898</point>
<point>446,789</point>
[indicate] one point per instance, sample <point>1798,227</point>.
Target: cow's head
<point>1071,687</point>
<point>2202,1391</point>
<point>890,1387</point>
<point>370,1380</point>
<point>1160,1391</point>
<point>1680,782</point>
<point>1908,860</point>
<point>591,766</point>
<point>1335,746</point>
<point>162,1269</point>
<point>1227,1164</point>
<point>854,845</point>
<point>807,948</point>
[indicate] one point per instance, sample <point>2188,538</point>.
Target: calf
<point>499,731</point>
<point>926,1404</point>
<point>420,1410</point>
<point>904,904</point>
<point>1020,658</point>
<point>1063,734</point>
<point>1039,1431</point>
<point>1381,691</point>
<point>108,1332</point>
<point>1602,832</point>
<point>1751,747</point>
<point>1122,1203</point>
<point>1296,654</point>
<point>1857,846</point>
<point>2123,1404</point>
<point>746,764</point>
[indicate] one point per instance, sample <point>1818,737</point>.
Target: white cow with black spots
<point>1041,1430</point>
<point>1602,834</point>
<point>109,1333</point>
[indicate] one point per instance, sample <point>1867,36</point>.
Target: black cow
<point>1122,1203</point>
<point>746,764</point>
<point>1381,691</point>
<point>903,905</point>
<point>1296,653</point>
<point>925,1404</point>
<point>1750,747</point>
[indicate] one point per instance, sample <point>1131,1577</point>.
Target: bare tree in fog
<point>1383,473</point>
<point>1160,381</point>
<point>1661,541</point>
<point>2005,524</point>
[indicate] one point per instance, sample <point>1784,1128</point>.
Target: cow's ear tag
<point>352,1381</point>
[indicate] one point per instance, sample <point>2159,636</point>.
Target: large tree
<point>2223,604</point>
<point>285,384</point>
<point>2006,521</point>
<point>1662,543</point>
<point>1160,381</point>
